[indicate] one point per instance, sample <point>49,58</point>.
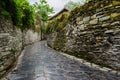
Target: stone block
<point>104,18</point>
<point>99,16</point>
<point>105,24</point>
<point>81,22</point>
<point>94,21</point>
<point>82,27</point>
<point>116,22</point>
<point>109,31</point>
<point>113,15</point>
<point>93,17</point>
<point>78,19</point>
<point>86,19</point>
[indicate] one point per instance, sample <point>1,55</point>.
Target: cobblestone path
<point>38,62</point>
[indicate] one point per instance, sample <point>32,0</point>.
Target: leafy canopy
<point>43,9</point>
<point>71,4</point>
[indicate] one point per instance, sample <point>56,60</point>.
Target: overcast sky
<point>56,4</point>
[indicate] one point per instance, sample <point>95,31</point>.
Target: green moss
<point>1,76</point>
<point>60,40</point>
<point>1,59</point>
<point>91,7</point>
<point>57,23</point>
<point>113,15</point>
<point>115,2</point>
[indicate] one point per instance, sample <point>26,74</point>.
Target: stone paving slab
<point>39,62</point>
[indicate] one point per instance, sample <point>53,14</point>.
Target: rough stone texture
<point>11,43</point>
<point>97,39</point>
<point>39,62</point>
<point>30,37</point>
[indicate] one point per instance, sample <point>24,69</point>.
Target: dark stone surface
<point>39,62</point>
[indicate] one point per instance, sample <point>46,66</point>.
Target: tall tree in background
<point>43,9</point>
<point>70,5</point>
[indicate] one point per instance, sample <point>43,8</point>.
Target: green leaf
<point>43,9</point>
<point>5,13</point>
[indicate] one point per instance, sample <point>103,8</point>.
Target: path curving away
<point>39,62</point>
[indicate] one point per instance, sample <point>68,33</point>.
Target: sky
<point>56,4</point>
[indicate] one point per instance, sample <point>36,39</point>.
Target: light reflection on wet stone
<point>42,63</point>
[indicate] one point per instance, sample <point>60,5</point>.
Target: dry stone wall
<point>92,33</point>
<point>11,42</point>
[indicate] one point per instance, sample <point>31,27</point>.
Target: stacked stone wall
<point>12,40</point>
<point>92,33</point>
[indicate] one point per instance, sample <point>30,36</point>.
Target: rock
<point>104,18</point>
<point>113,15</point>
<point>95,21</point>
<point>81,22</point>
<point>116,22</point>
<point>86,19</point>
<point>93,17</point>
<point>109,31</point>
<point>105,24</point>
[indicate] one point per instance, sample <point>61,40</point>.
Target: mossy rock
<point>113,15</point>
<point>115,2</point>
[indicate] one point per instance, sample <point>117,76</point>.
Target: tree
<point>28,14</point>
<point>43,9</point>
<point>70,5</point>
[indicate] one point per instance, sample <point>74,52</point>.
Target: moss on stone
<point>113,15</point>
<point>60,40</point>
<point>58,23</point>
<point>115,2</point>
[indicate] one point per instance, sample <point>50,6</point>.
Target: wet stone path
<point>39,62</point>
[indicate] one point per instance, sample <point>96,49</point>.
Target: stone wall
<point>92,33</point>
<point>30,36</point>
<point>11,43</point>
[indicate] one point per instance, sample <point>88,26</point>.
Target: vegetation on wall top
<point>43,9</point>
<point>58,23</point>
<point>21,12</point>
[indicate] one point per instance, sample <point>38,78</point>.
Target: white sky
<point>56,4</point>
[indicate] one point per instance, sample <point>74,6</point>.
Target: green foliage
<point>28,14</point>
<point>21,12</point>
<point>70,5</point>
<point>43,9</point>
<point>58,23</point>
<point>2,8</point>
<point>4,12</point>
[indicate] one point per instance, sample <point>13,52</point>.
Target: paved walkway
<point>39,62</point>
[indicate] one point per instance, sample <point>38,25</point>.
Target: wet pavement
<point>39,62</point>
